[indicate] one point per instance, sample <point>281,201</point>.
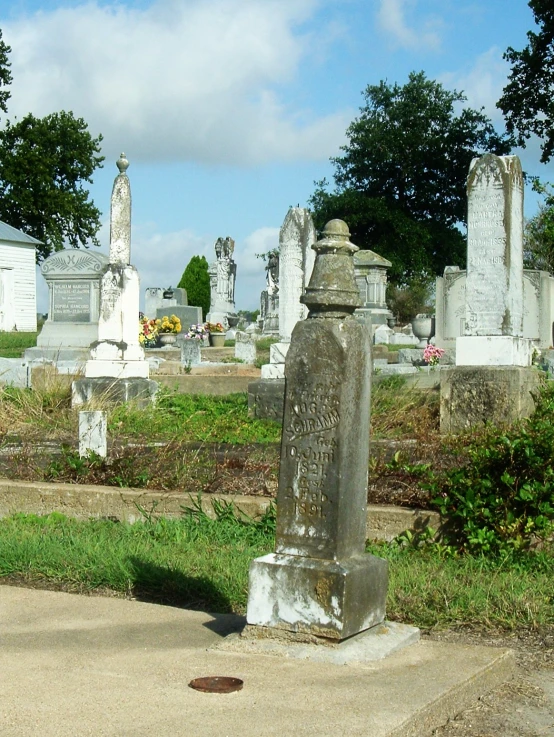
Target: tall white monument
<point>493,331</point>
<point>117,355</point>
<point>296,262</point>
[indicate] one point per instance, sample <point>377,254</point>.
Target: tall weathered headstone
<point>269,300</point>
<point>319,581</point>
<point>296,262</point>
<point>492,379</point>
<point>223,274</point>
<point>117,363</point>
<point>493,334</point>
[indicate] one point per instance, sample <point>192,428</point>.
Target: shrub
<point>502,499</point>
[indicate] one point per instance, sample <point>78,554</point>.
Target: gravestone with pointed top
<point>320,582</point>
<point>117,365</point>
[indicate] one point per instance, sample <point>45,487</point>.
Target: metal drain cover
<point>217,684</point>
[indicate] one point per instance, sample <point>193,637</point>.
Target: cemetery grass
<point>201,443</point>
<point>13,344</point>
<point>200,562</point>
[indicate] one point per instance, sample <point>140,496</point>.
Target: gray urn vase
<point>423,327</point>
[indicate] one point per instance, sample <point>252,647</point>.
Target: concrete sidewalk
<point>72,666</point>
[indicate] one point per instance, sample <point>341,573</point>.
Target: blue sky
<point>228,110</point>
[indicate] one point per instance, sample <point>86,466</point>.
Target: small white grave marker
<point>93,433</point>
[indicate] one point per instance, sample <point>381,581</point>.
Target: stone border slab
<point>384,522</point>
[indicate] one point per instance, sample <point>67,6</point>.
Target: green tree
<point>196,281</point>
<point>538,241</point>
<point>528,99</point>
<point>5,74</point>
<point>43,164</point>
<point>400,184</point>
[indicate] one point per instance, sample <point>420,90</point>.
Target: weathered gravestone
<point>93,433</point>
<point>320,582</point>
<point>296,260</point>
<point>492,379</point>
<point>245,347</point>
<point>538,307</point>
<point>73,279</point>
<point>117,369</point>
<point>190,352</point>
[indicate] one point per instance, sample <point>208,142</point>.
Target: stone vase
<point>167,338</point>
<point>423,328</point>
<point>217,340</point>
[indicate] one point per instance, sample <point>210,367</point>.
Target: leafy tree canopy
<point>5,74</point>
<point>43,164</point>
<point>400,184</point>
<point>196,281</point>
<point>528,99</point>
<point>538,242</point>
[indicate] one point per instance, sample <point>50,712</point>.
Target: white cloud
<point>196,80</point>
<point>392,19</point>
<point>482,83</point>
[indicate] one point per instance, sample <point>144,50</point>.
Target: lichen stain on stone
<point>323,591</point>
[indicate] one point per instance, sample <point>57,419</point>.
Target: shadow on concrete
<point>160,585</point>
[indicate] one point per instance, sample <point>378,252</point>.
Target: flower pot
<point>167,338</point>
<point>217,340</point>
<point>423,328</point>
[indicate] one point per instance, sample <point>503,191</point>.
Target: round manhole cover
<point>217,684</point>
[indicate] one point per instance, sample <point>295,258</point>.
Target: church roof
<point>7,233</point>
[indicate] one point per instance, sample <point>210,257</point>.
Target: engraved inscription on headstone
<point>71,301</point>
<point>308,478</point>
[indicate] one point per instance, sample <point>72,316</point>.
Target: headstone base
<point>372,645</point>
<point>314,596</point>
<point>493,350</point>
<point>474,395</point>
<point>114,391</point>
<point>99,368</point>
<point>266,399</point>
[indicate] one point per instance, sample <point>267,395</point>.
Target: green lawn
<point>12,345</point>
<point>202,563</point>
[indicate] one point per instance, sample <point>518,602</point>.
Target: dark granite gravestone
<point>320,582</point>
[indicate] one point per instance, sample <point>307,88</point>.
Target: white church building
<point>18,289</point>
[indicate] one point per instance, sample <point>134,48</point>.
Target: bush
<point>502,499</point>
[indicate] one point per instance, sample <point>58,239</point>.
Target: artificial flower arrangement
<point>432,354</point>
<point>167,324</point>
<point>214,327</point>
<point>196,332</point>
<point>148,331</point>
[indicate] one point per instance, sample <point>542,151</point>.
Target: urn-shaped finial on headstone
<point>122,164</point>
<point>332,287</point>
